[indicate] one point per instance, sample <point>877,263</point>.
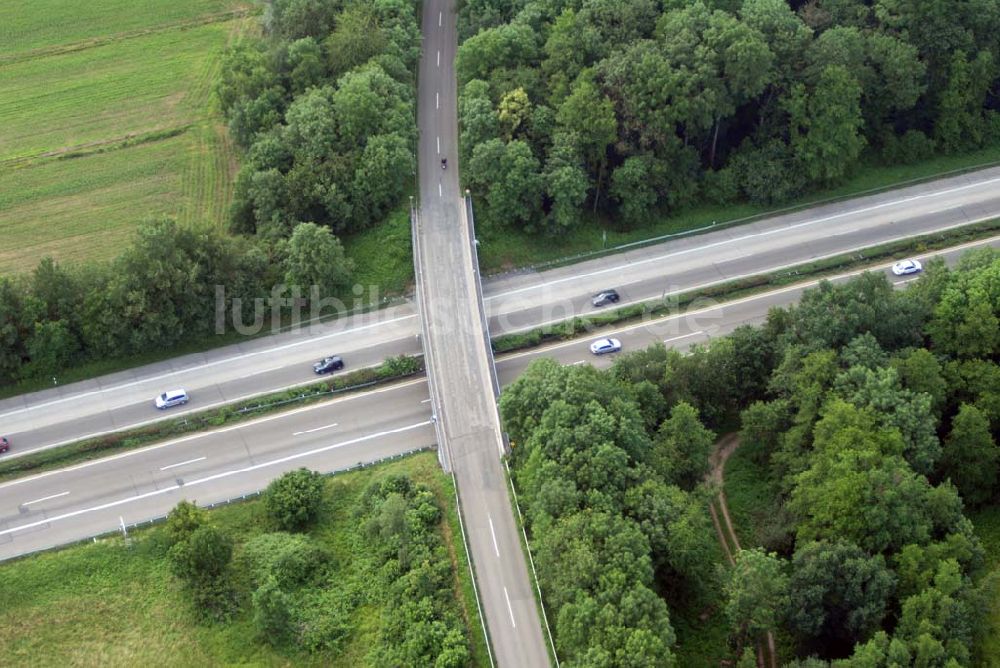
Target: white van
<point>171,398</point>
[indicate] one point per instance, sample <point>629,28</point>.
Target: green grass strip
<point>731,290</point>
<point>392,369</point>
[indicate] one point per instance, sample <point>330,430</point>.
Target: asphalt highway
<point>514,302</point>
<point>209,467</point>
<point>84,500</point>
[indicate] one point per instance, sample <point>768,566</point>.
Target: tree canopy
<point>671,103</point>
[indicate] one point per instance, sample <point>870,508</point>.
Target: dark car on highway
<point>328,364</point>
<point>4,444</point>
<point>605,297</point>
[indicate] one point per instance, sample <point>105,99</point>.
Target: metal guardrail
<point>488,342</point>
<point>716,225</point>
<point>474,243</point>
<point>444,454</point>
<point>150,521</point>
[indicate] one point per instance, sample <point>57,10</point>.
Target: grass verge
<point>529,559</point>
<point>460,563</point>
<point>383,255</point>
<point>740,288</point>
<point>190,346</point>
<point>114,602</point>
<point>392,369</point>
<point>702,634</point>
<point>987,526</point>
<point>750,496</point>
<point>397,367</point>
<point>508,249</point>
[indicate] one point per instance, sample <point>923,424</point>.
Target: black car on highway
<point>328,364</point>
<point>605,297</point>
<point>4,444</point>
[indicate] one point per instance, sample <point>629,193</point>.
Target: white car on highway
<point>602,346</point>
<point>904,267</point>
<point>171,398</point>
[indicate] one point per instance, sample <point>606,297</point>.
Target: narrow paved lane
<point>457,360</point>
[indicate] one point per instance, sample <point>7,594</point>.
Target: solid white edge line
<point>206,365</point>
<point>969,244</point>
<point>45,498</point>
<point>534,351</point>
<point>190,411</point>
<point>204,434</point>
<point>766,233</point>
<point>227,360</point>
<point>211,478</point>
<point>762,295</point>
<point>190,461</point>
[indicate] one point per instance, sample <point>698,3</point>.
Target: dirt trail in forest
<point>726,446</point>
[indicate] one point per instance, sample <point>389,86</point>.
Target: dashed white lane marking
<point>203,434</point>
<point>496,548</point>
<point>440,191</point>
<point>509,609</point>
<point>440,18</point>
<point>190,461</point>
<point>724,305</point>
<point>426,401</point>
<point>206,365</point>
<point>439,59</point>
<point>268,370</point>
<point>44,498</point>
<point>684,336</point>
<point>439,145</point>
<point>309,431</point>
<point>211,478</point>
<point>766,233</point>
<point>437,105</point>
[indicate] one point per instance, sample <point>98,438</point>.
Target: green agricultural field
<point>34,25</point>
<point>85,202</point>
<point>106,119</point>
<point>115,604</point>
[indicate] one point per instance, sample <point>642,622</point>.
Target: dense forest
<point>629,108</point>
<point>875,415</point>
<point>322,106</point>
<point>325,112</point>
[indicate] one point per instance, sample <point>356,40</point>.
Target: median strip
<point>391,370</point>
<point>398,368</point>
<point>747,285</point>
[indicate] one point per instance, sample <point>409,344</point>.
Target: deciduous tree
<point>971,456</point>
<point>293,500</point>
<point>316,258</point>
